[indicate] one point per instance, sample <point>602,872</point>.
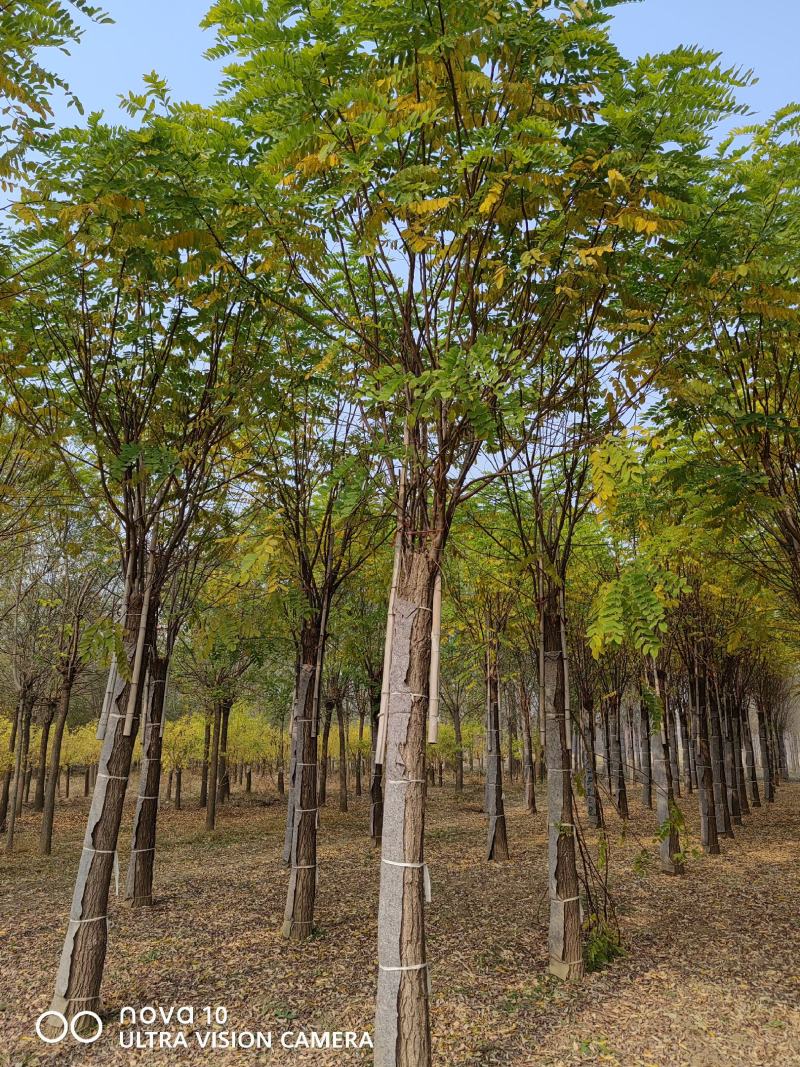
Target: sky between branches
<point>163,35</point>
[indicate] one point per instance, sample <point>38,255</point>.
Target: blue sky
<point>163,35</point>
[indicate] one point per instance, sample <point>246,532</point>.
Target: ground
<point>709,974</point>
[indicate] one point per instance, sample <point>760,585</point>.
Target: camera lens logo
<point>69,1026</point>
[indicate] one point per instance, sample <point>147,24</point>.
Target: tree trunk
<point>38,799</point>
<point>139,886</point>
<point>766,762</point>
<point>223,774</point>
<point>665,798</point>
<point>564,939</point>
<point>402,1019</point>
<point>12,745</point>
<point>342,755</point>
<point>594,809</point>
<point>705,776</point>
<point>617,759</point>
<point>178,776</point>
<point>750,756</point>
<point>723,816</point>
<point>607,758</point>
<point>358,753</point>
<point>459,757</point>
<point>647,778</point>
<point>204,772</point>
<point>738,743</point>
<point>632,746</point>
<point>213,770</point>
<point>497,837</point>
<point>511,721</point>
<point>376,783</point>
<point>80,972</point>
<point>298,919</point>
<point>672,723</point>
<point>25,733</point>
<point>528,771</point>
<point>731,771</point>
<point>15,791</point>
<point>322,791</point>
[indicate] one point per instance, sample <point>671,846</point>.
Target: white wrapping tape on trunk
<point>426,874</point>
<point>105,852</point>
<point>411,967</point>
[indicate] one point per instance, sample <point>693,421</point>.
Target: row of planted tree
<point>448,362</point>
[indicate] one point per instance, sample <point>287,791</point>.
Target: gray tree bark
<point>564,938</point>
<point>402,1015</point>
<point>139,884</point>
<point>497,837</point>
<point>298,918</point>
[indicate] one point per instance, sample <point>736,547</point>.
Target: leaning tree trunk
<point>298,918</point>
<point>80,972</point>
<point>402,1017</point>
<point>564,939</point>
<point>139,886</point>
<point>497,837</point>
